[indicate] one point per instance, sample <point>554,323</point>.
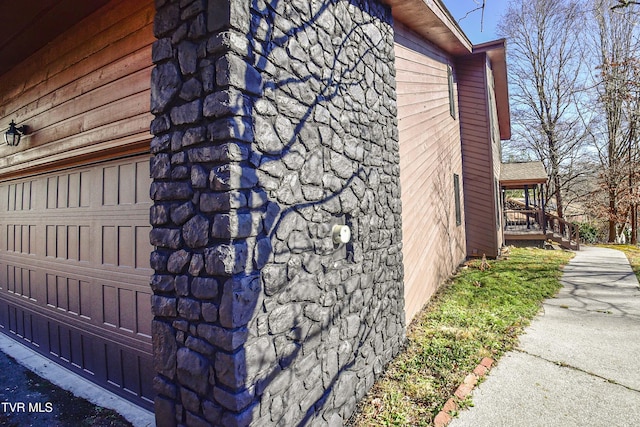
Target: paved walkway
<point>578,364</point>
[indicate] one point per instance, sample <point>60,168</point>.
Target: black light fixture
<point>14,133</point>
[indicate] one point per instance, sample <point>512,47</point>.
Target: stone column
<point>206,282</point>
<point>274,121</point>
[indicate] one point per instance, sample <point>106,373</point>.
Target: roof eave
<point>432,20</point>
<point>496,52</point>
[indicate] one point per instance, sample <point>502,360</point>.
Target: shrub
<point>588,232</point>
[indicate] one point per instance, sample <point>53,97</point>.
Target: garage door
<point>74,271</point>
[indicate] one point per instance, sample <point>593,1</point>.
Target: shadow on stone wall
<point>274,121</point>
<point>323,319</point>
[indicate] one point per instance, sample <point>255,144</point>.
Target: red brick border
<point>444,417</point>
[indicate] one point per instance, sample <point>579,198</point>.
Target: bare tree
<point>616,46</point>
<point>633,137</point>
<point>623,3</point>
<point>546,73</point>
<point>479,6</point>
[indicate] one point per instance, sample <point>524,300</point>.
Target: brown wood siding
<point>433,246</point>
<point>86,92</point>
<point>496,153</point>
<point>74,200</point>
<point>477,157</point>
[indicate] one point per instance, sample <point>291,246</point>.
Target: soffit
<point>431,20</point>
<point>29,25</point>
<point>496,51</point>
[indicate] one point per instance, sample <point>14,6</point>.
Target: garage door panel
<point>63,192</point>
<point>23,324</point>
<point>126,307</point>
<point>117,180</point>
<point>19,238</point>
<point>77,349</point>
<point>109,238</point>
<point>69,295</point>
<point>143,314</point>
<point>19,282</point>
<point>19,196</point>
<point>125,246</point>
<point>73,290</point>
<point>64,335</point>
<point>131,372</point>
<point>84,350</point>
<point>126,192</point>
<point>27,329</point>
<point>81,291</point>
<point>68,190</point>
<point>114,365</point>
<point>75,260</point>
<point>65,242</point>
<point>110,305</point>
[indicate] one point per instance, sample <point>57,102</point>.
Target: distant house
<point>314,171</point>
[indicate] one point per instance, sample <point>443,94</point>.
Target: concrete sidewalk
<point>578,364</point>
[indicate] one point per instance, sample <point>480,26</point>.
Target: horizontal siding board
<point>93,90</point>
<point>476,161</point>
<point>112,132</point>
<point>142,37</point>
<point>409,42</point>
<point>123,75</point>
<point>412,99</point>
<point>425,111</point>
<point>77,45</point>
<point>94,104</point>
<point>115,112</point>
<point>420,121</point>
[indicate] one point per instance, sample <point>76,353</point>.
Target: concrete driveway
<point>578,364</point>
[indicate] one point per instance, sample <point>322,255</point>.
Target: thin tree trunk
<point>634,224</point>
<point>612,215</point>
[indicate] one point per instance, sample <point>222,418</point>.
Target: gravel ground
<point>28,400</point>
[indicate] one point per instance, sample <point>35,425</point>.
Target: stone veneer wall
<point>273,122</point>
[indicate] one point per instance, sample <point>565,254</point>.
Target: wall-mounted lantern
<point>14,133</point>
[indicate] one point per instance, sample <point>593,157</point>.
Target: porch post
<point>526,204</point>
<point>544,216</point>
<point>535,197</point>
<point>504,205</point>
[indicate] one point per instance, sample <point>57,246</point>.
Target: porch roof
<point>519,174</point>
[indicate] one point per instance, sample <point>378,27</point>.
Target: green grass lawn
<point>477,314</point>
<point>633,254</point>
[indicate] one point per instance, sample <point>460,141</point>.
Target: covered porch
<point>526,219</point>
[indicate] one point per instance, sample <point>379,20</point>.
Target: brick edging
<point>444,416</point>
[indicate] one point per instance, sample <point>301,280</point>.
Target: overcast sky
<point>471,24</point>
